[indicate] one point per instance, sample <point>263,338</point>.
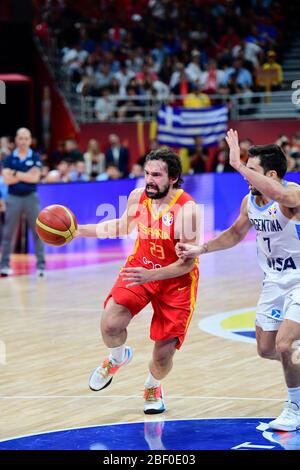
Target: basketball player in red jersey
<point>163,214</point>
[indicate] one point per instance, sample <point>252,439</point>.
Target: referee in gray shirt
<point>21,172</point>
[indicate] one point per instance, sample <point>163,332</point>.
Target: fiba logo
<point>2,92</point>
<point>296,93</point>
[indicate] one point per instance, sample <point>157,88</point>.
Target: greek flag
<point>178,126</point>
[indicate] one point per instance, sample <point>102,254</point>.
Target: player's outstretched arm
<point>227,239</point>
<point>116,227</point>
<point>288,196</point>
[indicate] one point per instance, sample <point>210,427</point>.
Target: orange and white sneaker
<point>103,375</point>
<point>154,400</point>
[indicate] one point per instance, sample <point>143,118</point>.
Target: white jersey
<point>277,240</point>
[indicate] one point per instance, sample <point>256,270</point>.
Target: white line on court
<point>118,397</point>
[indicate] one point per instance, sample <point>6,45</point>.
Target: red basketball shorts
<point>173,302</point>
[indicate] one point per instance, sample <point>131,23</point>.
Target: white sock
<point>118,353</point>
<point>294,395</point>
<point>151,381</point>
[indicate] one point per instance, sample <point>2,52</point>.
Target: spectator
<point>44,173</point>
<point>5,147</point>
<point>193,70</point>
<point>212,79</point>
<point>295,150</point>
<point>196,99</point>
<point>183,84</point>
<point>160,90</point>
<point>57,155</point>
<point>103,77</point>
<point>61,174</point>
<point>153,145</point>
<point>94,159</point>
<point>123,76</point>
<point>292,163</point>
<point>198,156</point>
<point>272,65</point>
<point>86,86</point>
<point>221,159</point>
<point>245,144</point>
<point>117,155</point>
<point>72,152</point>
<point>40,149</point>
<point>249,52</point>
<point>137,171</point>
<point>52,177</point>
<point>112,173</point>
<point>105,106</point>
<point>243,76</point>
<point>132,106</point>
<point>79,173</point>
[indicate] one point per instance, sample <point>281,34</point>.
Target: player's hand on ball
<point>136,276</point>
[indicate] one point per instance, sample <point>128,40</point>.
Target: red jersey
<point>155,245</point>
<point>173,300</point>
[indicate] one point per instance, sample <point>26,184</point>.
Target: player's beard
<point>159,194</point>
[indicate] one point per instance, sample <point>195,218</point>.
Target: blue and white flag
<point>178,126</point>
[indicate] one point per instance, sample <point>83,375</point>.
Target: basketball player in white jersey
<point>273,208</point>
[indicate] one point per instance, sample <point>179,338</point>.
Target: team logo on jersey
<point>168,219</point>
<point>272,211</point>
<point>237,325</point>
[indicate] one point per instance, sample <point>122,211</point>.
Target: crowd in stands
<point>68,164</point>
<point>131,50</point>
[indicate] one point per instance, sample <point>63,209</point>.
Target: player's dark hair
<point>271,158</point>
<point>172,161</point>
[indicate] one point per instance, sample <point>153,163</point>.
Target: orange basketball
<point>56,225</point>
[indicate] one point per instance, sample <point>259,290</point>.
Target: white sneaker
<point>103,375</point>
<point>154,400</point>
<point>6,272</point>
<point>289,419</point>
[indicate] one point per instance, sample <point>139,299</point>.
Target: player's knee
<point>111,326</point>
<point>115,320</point>
<point>284,346</point>
<point>162,361</point>
<point>266,351</point>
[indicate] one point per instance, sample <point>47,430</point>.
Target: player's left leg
<point>31,206</point>
<point>173,307</point>
<point>287,343</point>
<point>160,365</point>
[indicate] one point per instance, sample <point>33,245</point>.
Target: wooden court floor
<point>50,343</point>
